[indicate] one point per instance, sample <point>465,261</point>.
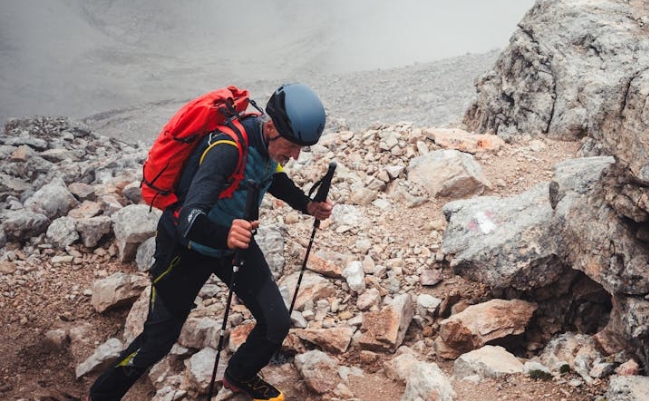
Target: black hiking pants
<point>177,276</point>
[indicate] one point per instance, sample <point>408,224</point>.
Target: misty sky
<point>384,34</point>
<point>81,57</point>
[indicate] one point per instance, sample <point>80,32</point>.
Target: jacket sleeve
<point>211,178</point>
<point>285,189</point>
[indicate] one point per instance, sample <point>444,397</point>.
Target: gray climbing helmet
<point>297,113</point>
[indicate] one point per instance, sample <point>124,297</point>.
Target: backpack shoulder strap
<point>239,138</point>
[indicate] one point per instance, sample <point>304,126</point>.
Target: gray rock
<point>116,290</point>
<point>628,388</point>
<point>144,255</point>
<point>133,225</point>
<point>22,224</point>
<point>93,229</point>
<point>503,242</point>
<point>424,381</point>
<point>448,173</point>
<point>318,370</point>
<point>488,362</point>
<point>63,232</point>
<point>53,200</point>
<point>103,356</point>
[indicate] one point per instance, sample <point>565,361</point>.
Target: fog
<point>81,57</point>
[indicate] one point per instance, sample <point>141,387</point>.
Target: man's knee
<point>278,327</point>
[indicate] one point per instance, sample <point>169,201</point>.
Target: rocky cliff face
<point>580,70</point>
<point>569,67</point>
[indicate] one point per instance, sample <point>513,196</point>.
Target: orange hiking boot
<point>256,387</point>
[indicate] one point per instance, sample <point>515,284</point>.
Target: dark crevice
<point>575,303</point>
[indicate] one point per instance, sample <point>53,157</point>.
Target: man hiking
<point>198,237</point>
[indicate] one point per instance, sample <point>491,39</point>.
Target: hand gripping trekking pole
<point>251,213</point>
<point>323,190</point>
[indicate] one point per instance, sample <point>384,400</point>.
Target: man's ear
<point>269,129</point>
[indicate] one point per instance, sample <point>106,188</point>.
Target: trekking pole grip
<point>323,188</point>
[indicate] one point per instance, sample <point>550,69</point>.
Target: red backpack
<point>162,169</point>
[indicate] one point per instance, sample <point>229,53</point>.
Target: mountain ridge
<point>354,100</point>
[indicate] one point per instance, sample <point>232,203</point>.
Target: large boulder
<point>571,66</point>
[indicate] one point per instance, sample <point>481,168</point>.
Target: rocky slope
<point>448,252</point>
<point>378,280</point>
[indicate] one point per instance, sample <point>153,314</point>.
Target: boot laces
<point>257,384</point>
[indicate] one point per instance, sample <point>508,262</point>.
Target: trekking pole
<point>321,196</point>
<point>251,214</point>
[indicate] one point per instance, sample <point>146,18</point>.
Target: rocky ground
<point>58,297</point>
<point>37,298</point>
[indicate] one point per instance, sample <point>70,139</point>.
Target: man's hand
<point>240,233</point>
<point>320,210</point>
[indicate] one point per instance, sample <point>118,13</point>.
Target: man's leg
<point>255,286</point>
<point>161,330</point>
<point>177,277</point>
